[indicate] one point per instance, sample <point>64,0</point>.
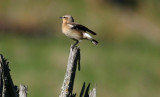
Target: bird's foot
<point>73,46</point>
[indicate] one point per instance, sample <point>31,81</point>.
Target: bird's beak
<point>60,17</point>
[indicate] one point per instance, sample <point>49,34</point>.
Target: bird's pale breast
<point>71,33</point>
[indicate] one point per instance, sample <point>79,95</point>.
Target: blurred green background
<point>125,63</point>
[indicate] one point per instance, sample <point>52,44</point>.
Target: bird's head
<point>67,18</point>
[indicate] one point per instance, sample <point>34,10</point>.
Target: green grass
<point>128,69</point>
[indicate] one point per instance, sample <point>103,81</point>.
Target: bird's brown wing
<point>81,28</point>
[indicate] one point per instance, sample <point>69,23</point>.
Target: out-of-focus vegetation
<point>124,64</point>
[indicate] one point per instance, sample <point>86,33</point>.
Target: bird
<point>76,31</point>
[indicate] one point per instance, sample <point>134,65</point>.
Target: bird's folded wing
<point>80,27</point>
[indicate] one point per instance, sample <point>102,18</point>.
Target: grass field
<point>125,63</point>
<point>128,69</point>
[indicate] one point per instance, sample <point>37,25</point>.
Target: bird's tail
<point>87,36</point>
<point>95,42</point>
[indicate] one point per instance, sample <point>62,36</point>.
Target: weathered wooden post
<point>23,91</point>
<point>7,88</point>
<point>68,83</point>
<point>67,86</point>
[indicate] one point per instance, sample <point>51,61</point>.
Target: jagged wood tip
<point>23,91</point>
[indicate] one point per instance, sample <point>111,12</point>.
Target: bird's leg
<point>75,44</point>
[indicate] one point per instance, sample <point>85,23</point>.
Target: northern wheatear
<point>76,31</point>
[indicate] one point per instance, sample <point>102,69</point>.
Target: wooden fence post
<point>23,91</point>
<point>67,86</point>
<point>68,83</point>
<point>7,88</point>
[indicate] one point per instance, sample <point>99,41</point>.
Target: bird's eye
<point>65,17</point>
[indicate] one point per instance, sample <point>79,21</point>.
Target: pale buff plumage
<point>76,31</point>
